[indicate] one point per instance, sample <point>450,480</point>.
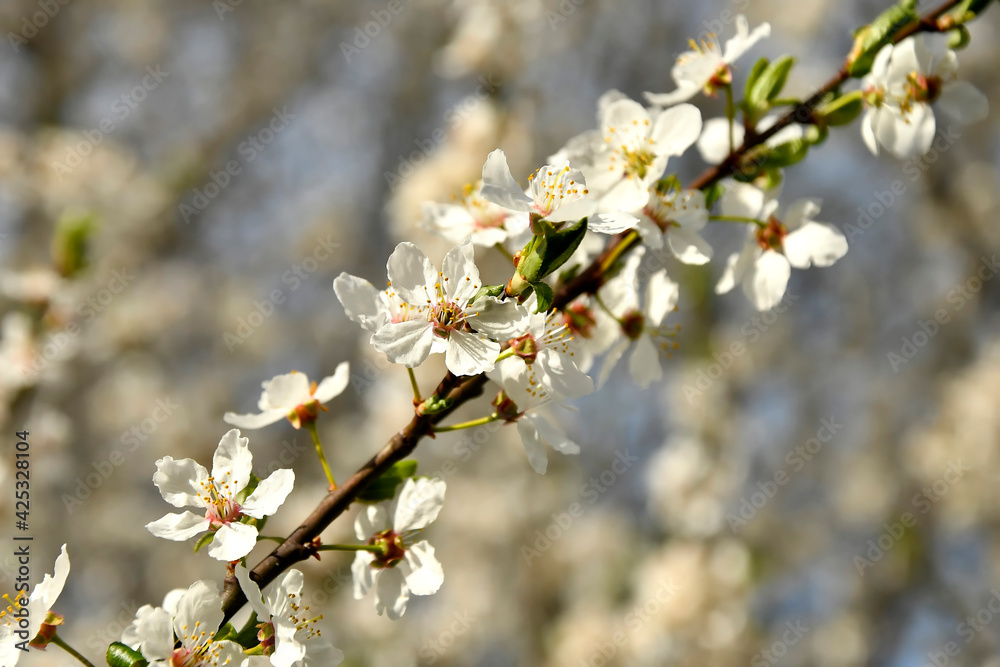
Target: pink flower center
<point>771,235</point>
<point>391,544</point>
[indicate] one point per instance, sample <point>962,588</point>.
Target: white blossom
<point>677,216</point>
<point>292,396</point>
<point>707,66</point>
<point>905,80</point>
<point>713,145</point>
<point>404,566</point>
<point>193,616</point>
<point>288,630</point>
<point>537,434</point>
<point>185,483</point>
<point>474,218</point>
<point>796,239</point>
<point>467,332</point>
<point>36,606</point>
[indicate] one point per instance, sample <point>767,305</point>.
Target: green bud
<point>120,655</point>
<point>870,39</point>
<point>841,111</point>
<point>384,487</point>
<point>815,134</point>
<point>545,252</point>
<point>786,154</point>
<point>71,243</point>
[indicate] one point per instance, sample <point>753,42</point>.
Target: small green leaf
<point>869,39</point>
<point>959,38</point>
<point>559,247</point>
<point>120,655</point>
<point>545,296</point>
<point>384,488</point>
<point>786,154</point>
<point>754,74</point>
<point>713,193</point>
<point>227,631</point>
<point>769,84</point>
<point>841,111</point>
<point>71,242</point>
<point>203,540</point>
<point>247,637</point>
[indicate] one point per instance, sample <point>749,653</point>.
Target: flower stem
<point>58,641</point>
<point>416,389</point>
<point>279,540</point>
<point>620,249</point>
<point>311,427</point>
<point>737,218</point>
<point>482,421</point>
<point>731,115</point>
<point>374,548</point>
<point>503,251</point>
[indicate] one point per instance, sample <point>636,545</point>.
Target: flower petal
<point>269,494</point>
<point>461,277</point>
<point>151,633</point>
<point>676,129</point>
<point>470,354</point>
<point>688,246</point>
<point>391,593</point>
<point>363,574</point>
<point>499,185</point>
<point>232,463</point>
<point>284,392</point>
<point>534,447</point>
<point>406,343</point>
<point>360,300</point>
<point>613,222</point>
<point>372,519</point>
<point>200,605</point>
<point>421,569</point>
<point>498,319</point>
<point>411,274</point>
<point>765,283</point>
<point>333,385</point>
<point>814,243</point>
<point>252,591</point>
<point>419,503</point>
<point>180,482</point>
<point>253,421</point>
<point>963,102</point>
<point>713,145</point>
<point>233,541</point>
<point>644,363</point>
<point>178,527</point>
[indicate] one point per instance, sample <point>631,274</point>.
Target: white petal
<point>333,385</point>
<point>461,277</point>
<point>180,482</point>
<point>233,462</point>
<point>363,574</point>
<point>688,246</point>
<point>252,591</point>
<point>650,232</point>
<point>742,200</point>
<point>391,593</point>
<point>765,283</point>
<point>561,377</point>
<point>233,541</point>
<point>418,504</point>
<point>9,653</point>
<point>676,129</point>
<point>628,194</point>
<point>201,605</point>
<point>470,354</point>
<point>178,527</point>
<point>611,360</point>
<point>801,212</point>
<point>406,343</point>
<point>911,135</point>
<point>814,243</point>
<point>737,266</point>
<point>685,91</point>
<point>411,274</point>
<point>421,569</point>
<point>499,185</point>
<point>45,594</point>
<point>498,319</point>
<point>963,102</point>
<point>661,296</point>
<point>644,364</point>
<point>371,520</point>
<point>714,142</point>
<point>253,421</point>
<point>360,300</point>
<point>613,222</point>
<point>625,124</point>
<point>744,40</point>
<point>280,594</point>
<point>269,494</point>
<point>533,445</point>
<point>554,437</point>
<point>868,124</point>
<point>151,633</point>
<point>284,392</point>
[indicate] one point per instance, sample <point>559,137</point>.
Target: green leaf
<point>841,111</point>
<point>769,83</point>
<point>71,242</point>
<point>120,655</point>
<point>786,154</point>
<point>959,38</point>
<point>488,290</point>
<point>227,631</point>
<point>713,193</point>
<point>545,296</point>
<point>203,540</point>
<point>754,74</point>
<point>250,487</point>
<point>559,246</point>
<point>384,488</point>
<point>869,39</point>
<point>247,637</point>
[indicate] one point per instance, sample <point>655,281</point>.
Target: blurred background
<point>810,487</point>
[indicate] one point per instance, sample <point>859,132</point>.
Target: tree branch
<point>297,547</point>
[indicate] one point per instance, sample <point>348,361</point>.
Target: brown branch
<point>297,548</point>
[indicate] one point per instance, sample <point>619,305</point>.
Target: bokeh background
<point>127,113</point>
